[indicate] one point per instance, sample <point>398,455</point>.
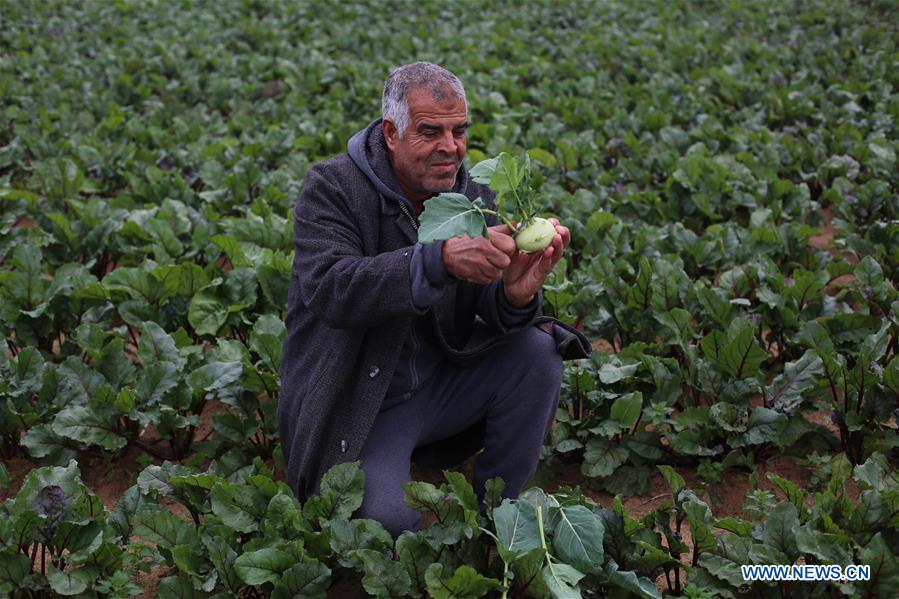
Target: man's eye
<point>459,132</point>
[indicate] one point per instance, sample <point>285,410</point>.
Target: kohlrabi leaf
<point>451,215</point>
<point>577,537</point>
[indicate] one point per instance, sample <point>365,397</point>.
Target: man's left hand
<point>523,278</point>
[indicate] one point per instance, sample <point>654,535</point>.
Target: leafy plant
<point>454,215</point>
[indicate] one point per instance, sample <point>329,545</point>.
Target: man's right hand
<point>479,260</point>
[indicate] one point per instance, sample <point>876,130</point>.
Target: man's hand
<point>479,260</point>
<point>526,272</point>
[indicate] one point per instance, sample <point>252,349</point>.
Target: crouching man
<point>386,360</point>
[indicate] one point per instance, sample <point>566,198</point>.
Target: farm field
<point>729,174</point>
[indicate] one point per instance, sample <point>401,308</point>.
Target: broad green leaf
<point>14,567</point>
<point>562,580</point>
<point>239,506</point>
<point>219,541</point>
<point>358,533</point>
<point>610,373</point>
<point>163,528</point>
<point>263,565</point>
<point>283,518</point>
<point>157,346</point>
<point>785,392</point>
<point>627,408</point>
<point>517,531</point>
<point>306,579</point>
<point>630,583</point>
<point>578,537</point>
<point>884,568</point>
<point>70,582</point>
<point>601,458</point>
<point>207,312</point>
<point>383,577</point>
<point>464,582</point>
<point>340,493</point>
<point>827,547</point>
<point>451,215</point>
<point>738,353</point>
<point>416,555</point>
<point>83,424</point>
<point>778,535</point>
<point>764,426</point>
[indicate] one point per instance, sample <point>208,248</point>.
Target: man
<point>384,356</point>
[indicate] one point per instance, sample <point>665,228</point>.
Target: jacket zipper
<point>413,221</point>
<point>414,345</point>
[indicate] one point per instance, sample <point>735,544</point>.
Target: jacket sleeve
<point>337,281</point>
<point>499,314</point>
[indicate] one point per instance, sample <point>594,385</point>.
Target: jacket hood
<point>368,150</point>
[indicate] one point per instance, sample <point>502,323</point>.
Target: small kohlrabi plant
<point>453,215</point>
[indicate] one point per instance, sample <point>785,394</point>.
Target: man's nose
<point>447,143</point>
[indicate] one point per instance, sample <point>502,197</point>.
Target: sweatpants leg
<point>386,461</point>
<point>515,386</point>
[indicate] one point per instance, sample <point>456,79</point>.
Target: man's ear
<point>391,134</point>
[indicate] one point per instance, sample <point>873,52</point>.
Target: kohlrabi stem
<point>502,216</point>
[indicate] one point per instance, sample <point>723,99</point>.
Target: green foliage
<point>729,176</point>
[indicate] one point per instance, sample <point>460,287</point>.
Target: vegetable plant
<point>454,215</point>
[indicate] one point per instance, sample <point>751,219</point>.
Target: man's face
<point>427,159</point>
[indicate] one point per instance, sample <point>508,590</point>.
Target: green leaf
<point>793,493</point>
<point>824,546</point>
<point>502,173</point>
<point>738,353</point>
<point>778,536</point>
<point>83,424</point>
<point>816,337</point>
<point>884,568</point>
<point>785,392</point>
<point>601,458</point>
<point>610,373</point>
<point>306,579</point>
<point>675,481</point>
<point>640,294</point>
<point>578,537</point>
<point>700,518</point>
<point>240,506</point>
<point>627,408</point>
<point>358,533</point>
<point>223,557</point>
<point>14,567</point>
<point>764,426</point>
<point>71,582</point>
<point>461,490</point>
<point>157,346</point>
<point>263,565</point>
<point>517,531</point>
<point>383,577</point>
<point>340,494</point>
<point>562,580</point>
<point>163,528</point>
<point>207,313</point>
<point>630,583</point>
<point>465,582</point>
<point>451,215</point>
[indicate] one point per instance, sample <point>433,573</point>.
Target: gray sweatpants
<point>516,387</point>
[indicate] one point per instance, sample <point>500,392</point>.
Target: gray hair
<point>419,75</point>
